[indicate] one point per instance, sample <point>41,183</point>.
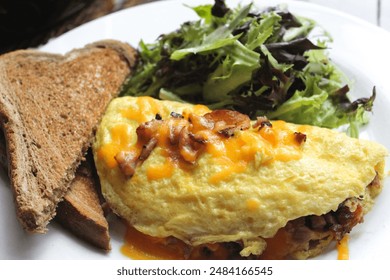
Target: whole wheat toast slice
<point>50,106</point>
<point>81,210</point>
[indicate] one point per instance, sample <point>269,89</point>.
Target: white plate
<point>360,48</point>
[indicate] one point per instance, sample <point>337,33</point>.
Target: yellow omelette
<point>242,186</point>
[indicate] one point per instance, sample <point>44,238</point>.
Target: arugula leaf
<point>217,39</point>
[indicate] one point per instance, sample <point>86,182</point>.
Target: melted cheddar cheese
<point>342,248</point>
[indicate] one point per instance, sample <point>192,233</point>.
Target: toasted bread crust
<point>50,106</point>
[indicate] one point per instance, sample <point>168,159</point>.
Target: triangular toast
<point>81,210</point>
<point>50,106</point>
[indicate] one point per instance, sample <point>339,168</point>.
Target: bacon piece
<point>300,137</point>
<point>127,162</point>
<point>224,129</point>
<point>175,126</point>
<point>339,222</point>
<point>227,122</point>
<point>346,220</point>
<point>189,145</point>
<point>200,122</point>
<point>317,222</point>
<point>147,149</point>
<point>148,130</point>
<point>261,122</point>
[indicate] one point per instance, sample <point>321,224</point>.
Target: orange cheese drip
<point>277,246</point>
<point>139,246</point>
<point>342,248</point>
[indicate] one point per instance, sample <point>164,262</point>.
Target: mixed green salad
<point>259,62</point>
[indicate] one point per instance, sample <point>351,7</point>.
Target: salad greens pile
<point>256,62</point>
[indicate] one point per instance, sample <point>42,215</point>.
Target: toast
<point>50,106</point>
<point>81,210</point>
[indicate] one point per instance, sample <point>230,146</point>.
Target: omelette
<point>226,186</point>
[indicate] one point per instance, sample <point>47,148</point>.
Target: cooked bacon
<point>334,223</point>
<point>317,222</point>
<point>300,137</point>
<point>338,222</point>
<point>200,122</point>
<point>227,122</point>
<point>197,137</point>
<point>127,162</point>
<point>148,130</point>
<point>346,220</point>
<point>189,146</point>
<point>261,122</point>
<point>301,233</point>
<point>225,130</point>
<point>147,149</point>
<point>175,126</point>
